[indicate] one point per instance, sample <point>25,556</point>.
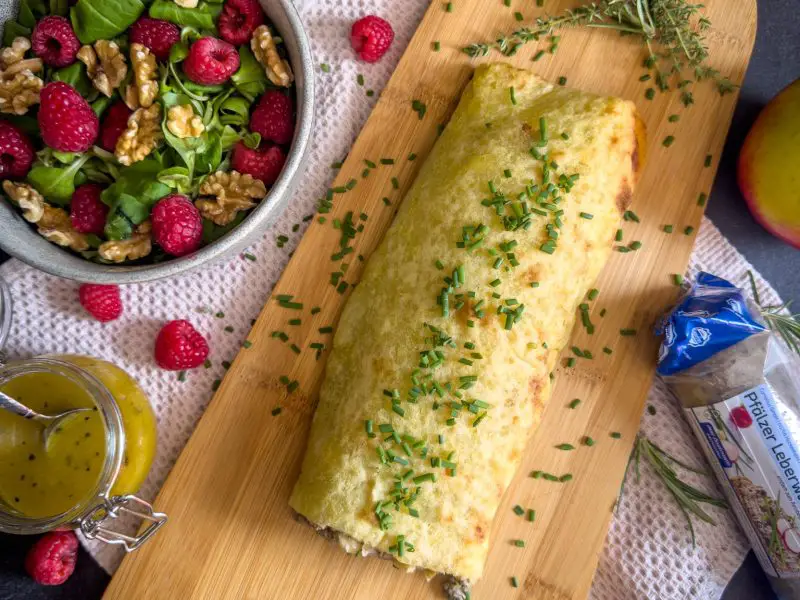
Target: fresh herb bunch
<point>778,318</point>
<point>675,43</point>
<point>688,497</point>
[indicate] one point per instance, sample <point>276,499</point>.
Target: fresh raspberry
<point>54,41</point>
<point>51,560</point>
<point>155,34</point>
<point>238,20</point>
<point>272,118</point>
<point>101,301</point>
<point>86,211</point>
<point>371,37</point>
<point>66,121</point>
<point>177,225</point>
<point>16,152</point>
<point>264,163</point>
<point>180,346</point>
<point>211,61</point>
<point>114,123</point>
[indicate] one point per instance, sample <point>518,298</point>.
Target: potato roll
<point>440,367</point>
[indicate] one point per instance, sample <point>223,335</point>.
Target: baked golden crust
<point>393,315</point>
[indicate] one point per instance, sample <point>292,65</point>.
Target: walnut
<point>183,123</point>
<point>187,3</point>
<point>53,223</point>
<point>232,192</point>
<point>142,91</point>
<point>137,246</point>
<point>141,136</point>
<point>19,87</point>
<point>266,51</point>
<point>105,65</point>
<point>27,198</point>
<point>20,93</point>
<point>13,61</point>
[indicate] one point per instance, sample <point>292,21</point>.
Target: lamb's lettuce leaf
<point>95,20</point>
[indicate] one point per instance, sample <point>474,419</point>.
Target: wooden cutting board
<point>231,534</point>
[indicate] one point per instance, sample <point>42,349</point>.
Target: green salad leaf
<point>12,30</point>
<point>212,232</point>
<point>95,20</point>
<point>208,160</point>
<point>177,178</point>
<point>132,196</point>
<point>228,138</point>
<point>59,7</point>
<point>76,76</point>
<point>100,105</point>
<point>250,80</point>
<point>200,17</point>
<point>29,12</point>
<point>56,184</point>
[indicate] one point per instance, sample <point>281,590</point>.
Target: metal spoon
<point>50,422</point>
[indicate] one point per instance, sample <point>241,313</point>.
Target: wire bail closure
<point>98,524</point>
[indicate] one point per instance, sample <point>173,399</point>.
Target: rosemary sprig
<point>675,41</point>
<point>686,496</point>
<point>779,318</point>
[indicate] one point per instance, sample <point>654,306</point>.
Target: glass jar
<point>84,473</point>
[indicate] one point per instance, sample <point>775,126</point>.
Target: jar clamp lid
<point>98,519</point>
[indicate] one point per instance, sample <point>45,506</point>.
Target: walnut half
<point>19,87</point>
<point>137,246</point>
<point>53,223</point>
<point>142,91</point>
<point>266,51</point>
<point>228,193</point>
<point>183,123</point>
<point>141,136</point>
<point>105,65</point>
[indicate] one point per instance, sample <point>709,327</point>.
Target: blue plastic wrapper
<point>713,316</point>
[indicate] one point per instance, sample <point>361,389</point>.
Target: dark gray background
<point>773,66</point>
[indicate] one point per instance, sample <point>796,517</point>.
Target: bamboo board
<point>231,534</point>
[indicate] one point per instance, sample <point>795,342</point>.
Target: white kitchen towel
<point>648,553</point>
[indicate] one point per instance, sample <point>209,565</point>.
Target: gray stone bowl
<point>20,240</point>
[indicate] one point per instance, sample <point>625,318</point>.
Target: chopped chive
<point>325,67</point>
<point>531,515</point>
<point>707,161</point>
<point>635,245</point>
<point>673,118</point>
<point>295,349</point>
<point>360,79</point>
<point>593,294</point>
<point>326,329</point>
<point>645,77</point>
<point>495,283</point>
<point>585,215</point>
<point>276,411</point>
<point>514,582</point>
<point>616,435</point>
<point>543,129</point>
<point>448,7</point>
<point>565,447</point>
<point>587,441</point>
<point>668,228</point>
<point>506,173</point>
<point>651,409</point>
<point>538,55</point>
<point>677,279</point>
<point>650,93</point>
<point>512,95</point>
<point>618,236</point>
<point>627,332</point>
<point>295,321</point>
<point>574,403</point>
<point>565,477</point>
<point>562,80</point>
<point>689,230</point>
<point>436,46</point>
<point>412,156</point>
<point>668,141</point>
<point>701,199</point>
<point>518,510</point>
<point>571,362</point>
<point>395,183</point>
<point>215,385</point>
<point>518,16</point>
<point>519,543</point>
<point>607,350</point>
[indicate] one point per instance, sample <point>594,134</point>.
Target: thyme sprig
<point>686,496</point>
<point>779,318</point>
<point>675,41</point>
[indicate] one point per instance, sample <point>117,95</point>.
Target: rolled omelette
<point>441,363</point>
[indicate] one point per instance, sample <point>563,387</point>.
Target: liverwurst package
<point>740,390</point>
